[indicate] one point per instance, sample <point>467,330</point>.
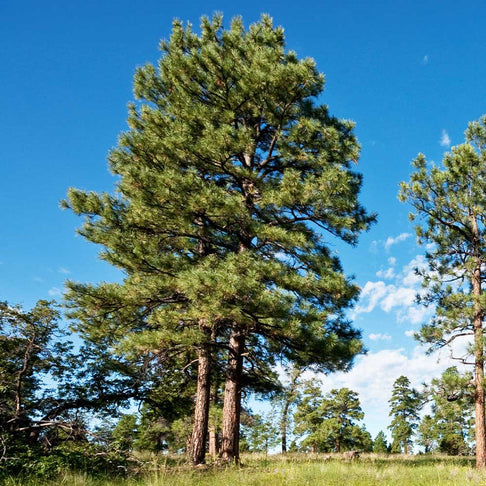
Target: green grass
<point>297,470</point>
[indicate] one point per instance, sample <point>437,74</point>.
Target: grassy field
<point>298,470</point>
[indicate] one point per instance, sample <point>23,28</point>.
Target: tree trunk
<point>480,425</point>
<point>213,441</point>
<point>479,402</point>
<point>289,399</point>
<point>283,426</point>
<point>201,409</point>
<point>213,424</point>
<point>230,441</point>
<point>232,398</point>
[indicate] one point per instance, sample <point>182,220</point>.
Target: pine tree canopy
<point>405,404</point>
<point>230,179</point>
<point>451,199</point>
<point>448,202</point>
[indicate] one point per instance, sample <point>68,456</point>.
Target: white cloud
<point>63,270</point>
<point>387,297</point>
<point>387,274</point>
<point>392,261</point>
<point>410,333</point>
<point>380,337</point>
<point>445,141</point>
<point>425,59</point>
<point>415,314</point>
<point>409,272</point>
<point>398,297</point>
<point>393,241</point>
<point>372,292</point>
<point>373,376</point>
<point>55,292</point>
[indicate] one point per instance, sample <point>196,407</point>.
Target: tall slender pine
<point>451,201</point>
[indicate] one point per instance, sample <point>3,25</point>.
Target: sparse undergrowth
<point>291,470</point>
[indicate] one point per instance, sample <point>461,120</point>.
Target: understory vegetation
<point>289,469</point>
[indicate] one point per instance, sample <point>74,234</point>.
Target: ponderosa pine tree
<point>405,404</point>
<point>260,432</point>
<point>451,199</point>
<point>340,410</point>
<point>427,434</point>
<point>30,351</point>
<point>229,177</point>
<point>452,397</point>
<point>285,399</point>
<point>380,444</point>
<point>328,422</point>
<point>308,417</point>
<point>37,379</point>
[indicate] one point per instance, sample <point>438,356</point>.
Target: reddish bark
<point>232,398</point>
<point>201,409</point>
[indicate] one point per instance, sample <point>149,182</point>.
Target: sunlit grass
<point>295,470</point>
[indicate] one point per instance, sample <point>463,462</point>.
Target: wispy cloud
<point>414,314</point>
<point>55,292</point>
<point>380,337</point>
<point>410,277</point>
<point>397,239</point>
<point>371,294</point>
<point>425,59</point>
<point>398,296</point>
<point>387,274</point>
<point>445,140</point>
<point>63,270</point>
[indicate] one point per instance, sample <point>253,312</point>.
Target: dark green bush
<point>67,457</point>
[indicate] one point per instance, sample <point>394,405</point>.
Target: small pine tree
<point>329,422</point>
<point>125,432</point>
<point>405,404</point>
<point>427,433</point>
<point>380,445</point>
<point>452,397</point>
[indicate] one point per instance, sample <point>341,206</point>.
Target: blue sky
<point>411,74</point>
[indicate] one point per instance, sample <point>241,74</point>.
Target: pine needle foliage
<point>449,204</point>
<point>231,180</point>
<point>405,405</point>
